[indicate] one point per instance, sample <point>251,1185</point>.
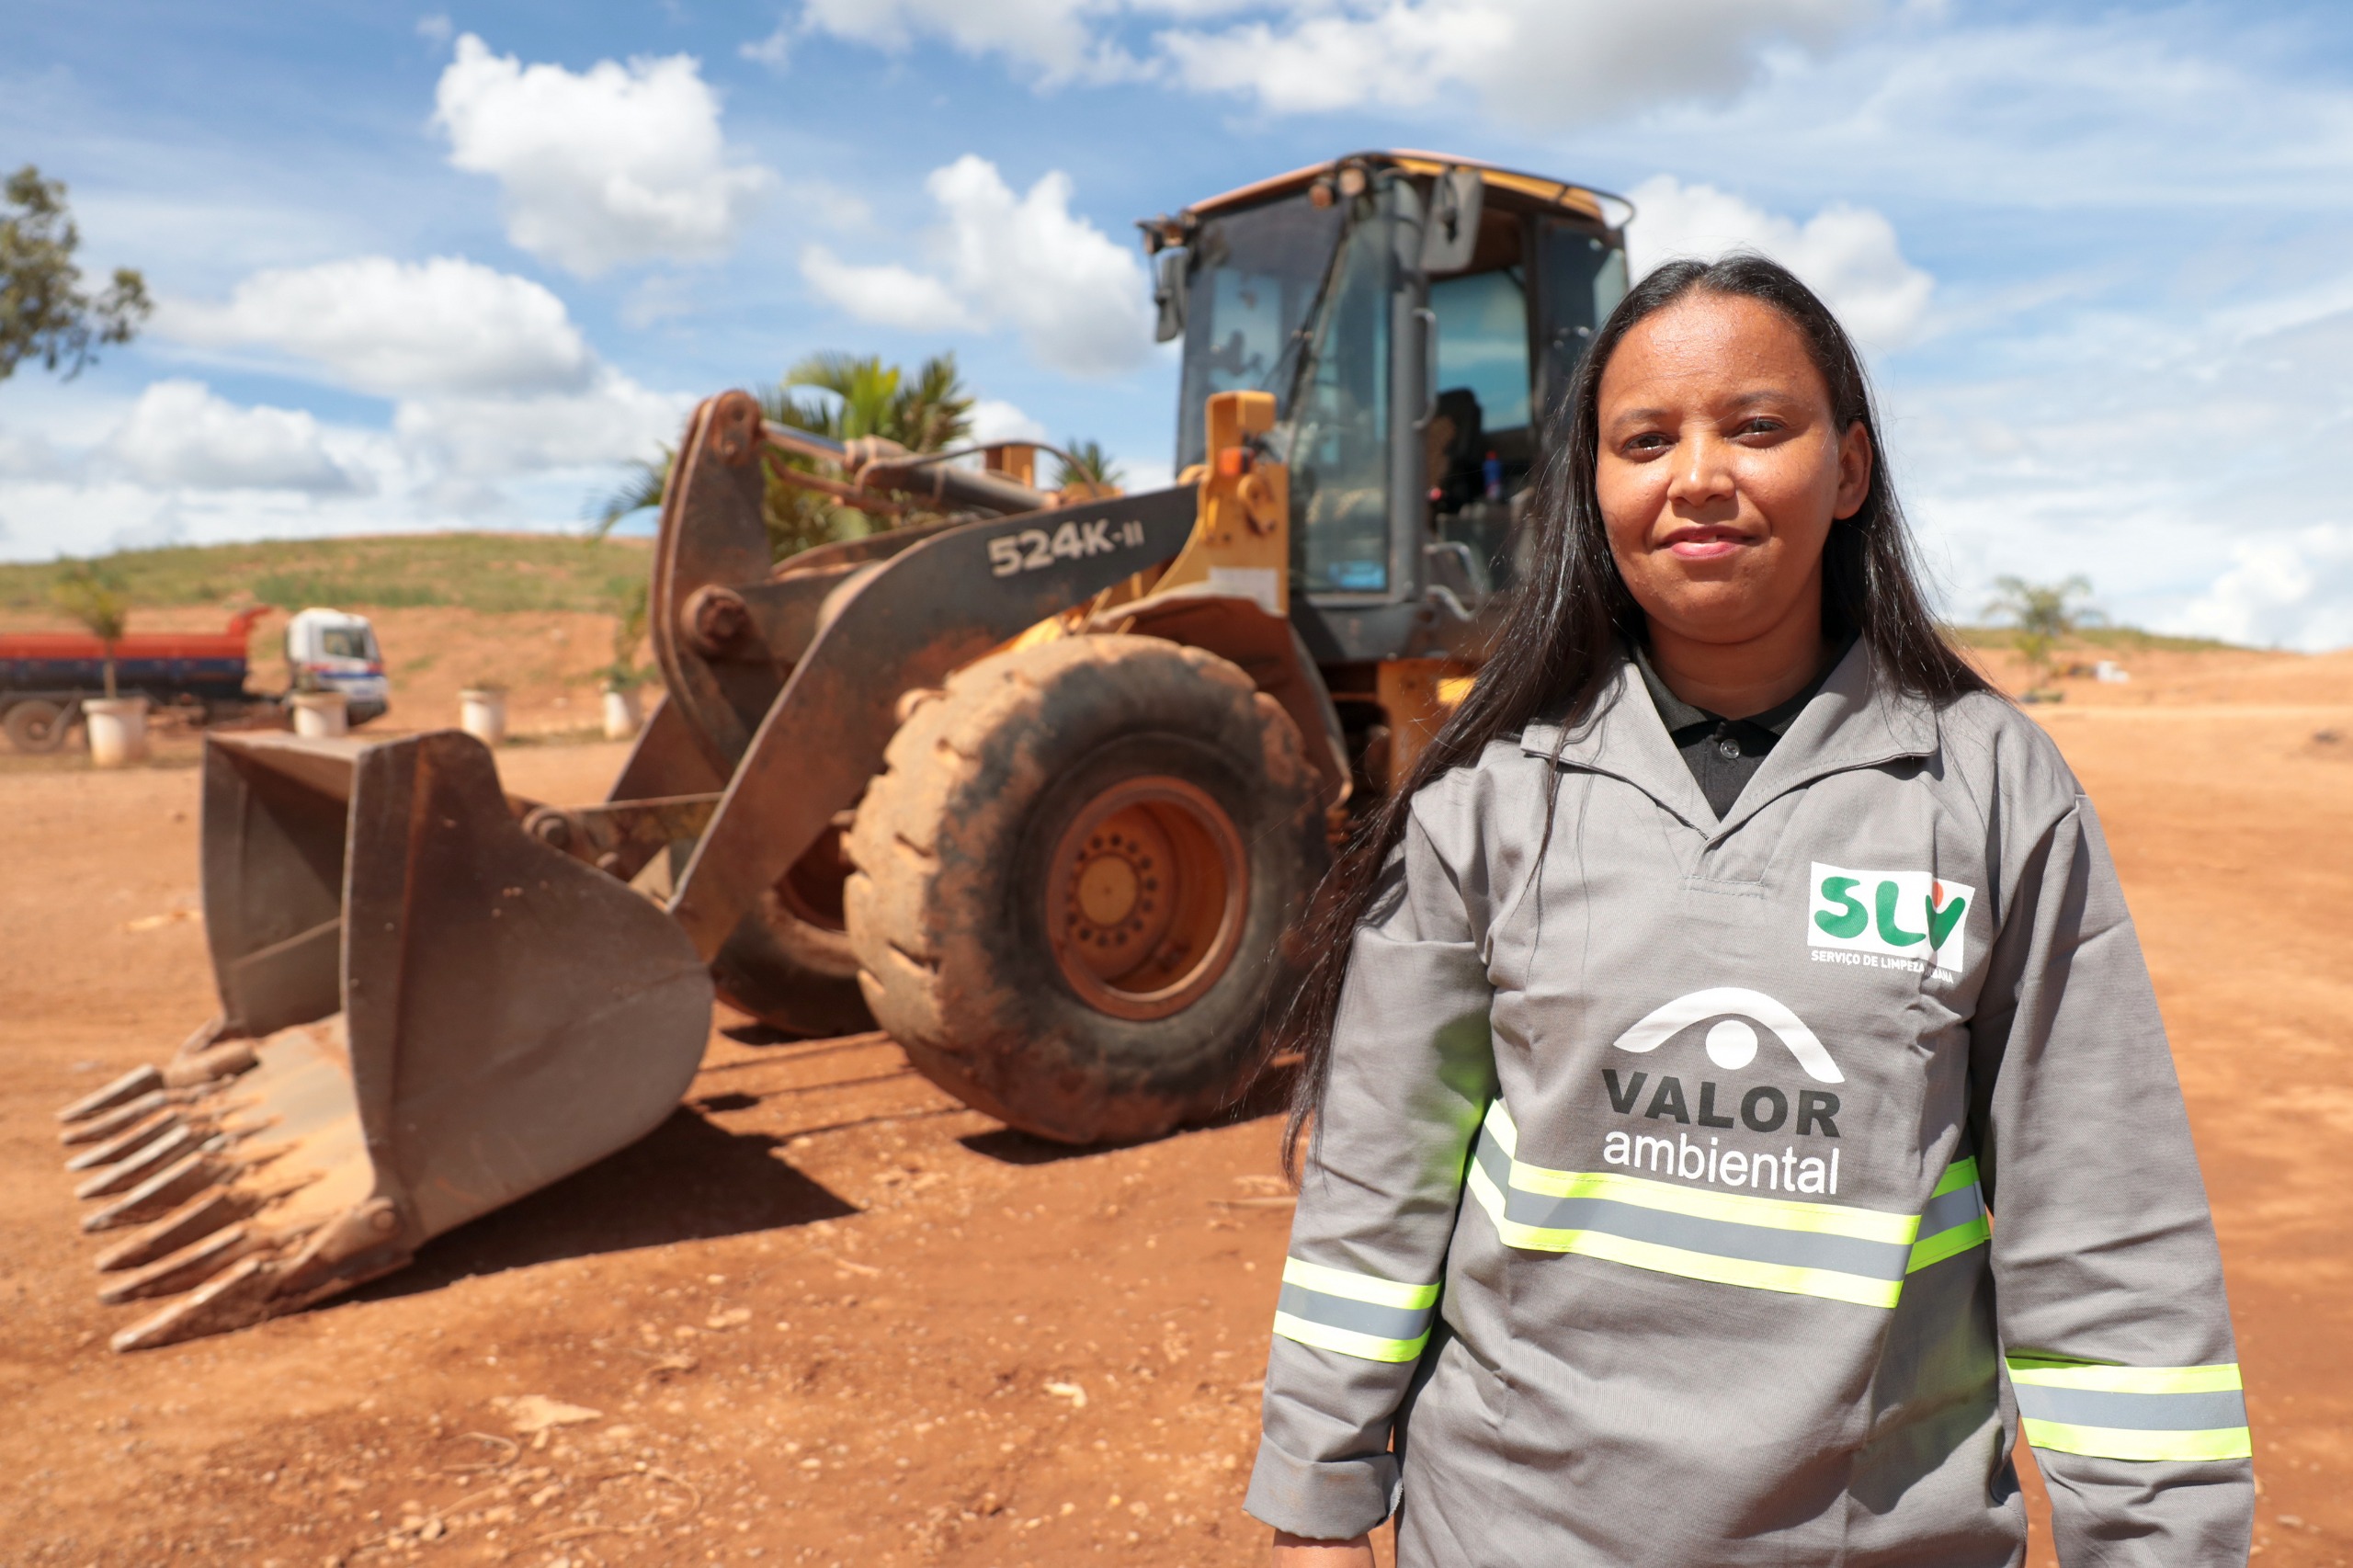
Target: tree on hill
<point>97,596</point>
<point>45,313</point>
<point>2045,614</point>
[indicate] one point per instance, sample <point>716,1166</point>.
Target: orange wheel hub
<point>1144,897</point>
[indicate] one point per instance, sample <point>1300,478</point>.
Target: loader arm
<point>726,630</point>
<point>918,616</point>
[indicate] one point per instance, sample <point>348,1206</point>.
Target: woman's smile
<point>1708,541</point>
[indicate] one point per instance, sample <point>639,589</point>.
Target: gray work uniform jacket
<point>1707,1192</point>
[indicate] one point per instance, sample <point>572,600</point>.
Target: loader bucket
<point>433,1013</point>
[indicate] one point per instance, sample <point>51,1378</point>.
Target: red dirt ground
<point>825,1315</point>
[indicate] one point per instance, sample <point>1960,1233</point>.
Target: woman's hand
<point>1298,1552</point>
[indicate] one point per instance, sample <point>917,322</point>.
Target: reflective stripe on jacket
<point>1739,1191</point>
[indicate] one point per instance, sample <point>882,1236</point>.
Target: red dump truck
<point>46,675</point>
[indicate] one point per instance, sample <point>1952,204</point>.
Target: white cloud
<point>393,327</point>
<point>28,454</point>
<point>1056,40</point>
<point>181,435</point>
<point>1543,62</point>
<point>1075,296</point>
<point>620,163</point>
<point>887,294</point>
<point>995,420</point>
<point>2187,467</point>
<point>2296,591</point>
<point>774,51</point>
<point>611,419</point>
<point>1848,255</point>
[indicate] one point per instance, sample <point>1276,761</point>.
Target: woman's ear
<point>1855,459</point>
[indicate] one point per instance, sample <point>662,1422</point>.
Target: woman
<point>1731,954</point>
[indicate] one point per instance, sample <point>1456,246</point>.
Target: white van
<point>332,649</point>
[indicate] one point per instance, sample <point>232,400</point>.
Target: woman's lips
<point>1705,544</point>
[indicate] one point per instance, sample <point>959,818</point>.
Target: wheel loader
<point>1041,787</point>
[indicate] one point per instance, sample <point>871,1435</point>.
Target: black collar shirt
<point>1724,754</point>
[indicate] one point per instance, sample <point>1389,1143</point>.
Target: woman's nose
<point>1700,472</point>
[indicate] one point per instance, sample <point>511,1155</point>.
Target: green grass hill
<point>2107,639</point>
<point>466,571</point>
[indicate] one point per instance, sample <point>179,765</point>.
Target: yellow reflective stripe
<point>1948,1243</point>
<point>2053,1373</point>
<point>1364,1346</point>
<point>1737,1209</point>
<point>1789,1280</point>
<point>1499,1126</point>
<point>2121,1443</point>
<point>1357,1287</point>
<point>1957,1192</point>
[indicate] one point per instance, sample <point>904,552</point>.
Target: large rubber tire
<point>36,726</point>
<point>788,962</point>
<point>962,842</point>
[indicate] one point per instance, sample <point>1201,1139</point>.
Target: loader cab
<point>1417,319</point>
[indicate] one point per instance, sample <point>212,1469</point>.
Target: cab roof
<point>1550,192</point>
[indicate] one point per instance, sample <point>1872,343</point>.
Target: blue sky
<point>439,268</point>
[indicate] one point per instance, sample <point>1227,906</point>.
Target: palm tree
<point>858,395</point>
<point>2044,613</point>
<point>863,396</point>
<point>640,491</point>
<point>1085,466</point>
<point>97,596</point>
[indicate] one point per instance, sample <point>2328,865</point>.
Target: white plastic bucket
<point>482,715</point>
<point>621,717</point>
<point>322,713</point>
<point>118,729</point>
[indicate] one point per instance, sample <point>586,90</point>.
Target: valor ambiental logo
<point>1731,1044</point>
<point>1871,918</point>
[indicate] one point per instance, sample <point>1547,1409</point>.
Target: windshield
<point>1252,275</point>
<point>1338,428</point>
<point>345,642</point>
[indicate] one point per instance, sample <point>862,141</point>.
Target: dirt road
<point>825,1315</point>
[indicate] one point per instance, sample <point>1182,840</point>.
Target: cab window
<point>1479,446</point>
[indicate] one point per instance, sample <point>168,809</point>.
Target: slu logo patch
<point>1907,915</point>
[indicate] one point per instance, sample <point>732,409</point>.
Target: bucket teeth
<point>107,1123</point>
<point>161,1192</point>
<point>183,1226</point>
<point>200,1069</point>
<point>189,1266</point>
<point>126,1143</point>
<point>129,1086</point>
<point>129,1173</point>
<point>238,1296</point>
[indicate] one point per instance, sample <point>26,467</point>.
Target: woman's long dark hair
<point>1572,615</point>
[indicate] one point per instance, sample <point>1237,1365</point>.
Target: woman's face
<point>1722,468</point>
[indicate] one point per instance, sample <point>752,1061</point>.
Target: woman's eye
<point>1649,441</point>
<point>1760,425</point>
